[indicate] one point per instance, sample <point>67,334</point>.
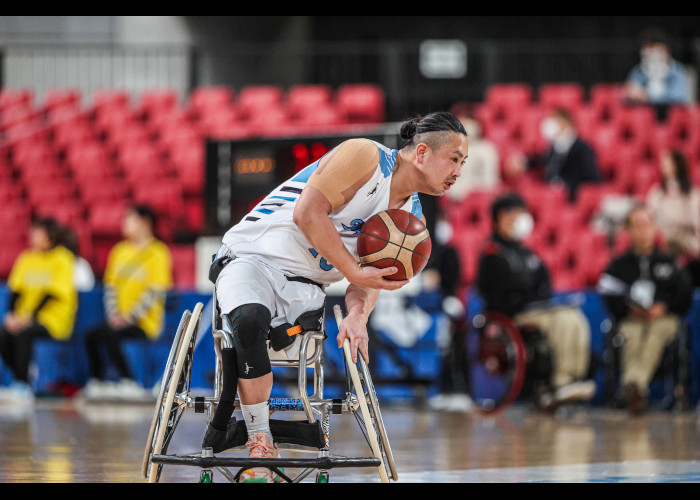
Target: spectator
<point>646,293</point>
<point>658,79</point>
<point>442,273</point>
<point>481,170</point>
<point>43,301</point>
<point>83,275</point>
<point>514,281</point>
<point>675,206</point>
<point>136,280</point>
<point>570,160</point>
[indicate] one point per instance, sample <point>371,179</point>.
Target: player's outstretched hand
<point>354,328</point>
<point>372,277</point>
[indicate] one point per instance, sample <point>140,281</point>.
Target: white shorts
<point>248,280</point>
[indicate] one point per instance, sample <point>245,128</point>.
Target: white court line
<point>643,471</point>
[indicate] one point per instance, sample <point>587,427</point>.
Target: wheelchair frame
<point>175,398</point>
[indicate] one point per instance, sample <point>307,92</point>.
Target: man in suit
<point>570,160</point>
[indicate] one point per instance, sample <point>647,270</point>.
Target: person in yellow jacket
<point>136,280</point>
<point>43,300</point>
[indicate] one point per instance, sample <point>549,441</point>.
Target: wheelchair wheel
<point>361,394</point>
<point>496,362</point>
<point>176,380</point>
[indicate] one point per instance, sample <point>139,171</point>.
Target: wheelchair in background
<point>310,435</point>
<point>504,363</point>
<point>673,371</point>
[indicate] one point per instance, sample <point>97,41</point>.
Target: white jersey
<point>268,232</point>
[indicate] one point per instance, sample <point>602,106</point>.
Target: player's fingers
<point>364,351</point>
<point>353,349</point>
<point>388,271</point>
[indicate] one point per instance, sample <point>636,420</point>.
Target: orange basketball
<point>395,238</point>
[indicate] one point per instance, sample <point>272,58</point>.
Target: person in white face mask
<point>658,79</point>
<point>570,161</point>
<point>514,281</point>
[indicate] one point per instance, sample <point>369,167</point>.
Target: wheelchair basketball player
<point>273,266</point>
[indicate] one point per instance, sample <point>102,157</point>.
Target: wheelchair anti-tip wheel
<point>496,362</point>
<point>176,381</point>
<point>363,397</point>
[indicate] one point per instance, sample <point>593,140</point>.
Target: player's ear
<point>421,149</point>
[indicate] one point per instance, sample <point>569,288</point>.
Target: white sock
<point>257,419</point>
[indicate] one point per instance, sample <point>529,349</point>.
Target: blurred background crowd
<point>583,175</point>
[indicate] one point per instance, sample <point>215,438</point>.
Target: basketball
<point>395,238</point>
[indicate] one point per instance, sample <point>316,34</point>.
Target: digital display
<point>239,173</point>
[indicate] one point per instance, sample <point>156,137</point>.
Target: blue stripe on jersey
<point>417,208</point>
<point>264,210</point>
<point>305,173</point>
<point>386,161</point>
<point>283,198</point>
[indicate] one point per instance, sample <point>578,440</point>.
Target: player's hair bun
<point>409,129</point>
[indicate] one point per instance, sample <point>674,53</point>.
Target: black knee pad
<point>250,324</point>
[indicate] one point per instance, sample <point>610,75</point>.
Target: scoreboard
<point>240,172</point>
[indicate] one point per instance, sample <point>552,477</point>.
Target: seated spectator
<point>513,280</point>
<point>570,160</point>
<point>646,293</point>
<point>658,79</point>
<point>83,275</point>
<point>137,277</point>
<point>43,302</point>
<point>675,206</point>
<point>481,170</point>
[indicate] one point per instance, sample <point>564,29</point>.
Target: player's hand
<point>354,328</point>
<point>117,321</point>
<point>372,277</point>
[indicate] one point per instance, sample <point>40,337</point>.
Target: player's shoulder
<point>364,149</point>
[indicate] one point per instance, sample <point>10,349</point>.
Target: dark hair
<point>506,201</point>
<point>682,174</point>
<point>51,226</point>
<point>69,240</point>
<point>564,114</point>
<point>653,36</point>
<point>144,212</point>
<point>439,121</point>
<point>637,207</point>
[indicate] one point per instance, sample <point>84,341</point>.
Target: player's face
<point>443,166</point>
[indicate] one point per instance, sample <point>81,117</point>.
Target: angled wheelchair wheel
<point>496,362</point>
<point>176,382</point>
<point>365,407</point>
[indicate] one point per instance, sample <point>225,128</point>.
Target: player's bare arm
<point>338,178</point>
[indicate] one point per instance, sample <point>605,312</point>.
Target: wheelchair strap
<point>283,335</point>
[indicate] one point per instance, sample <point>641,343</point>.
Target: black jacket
<point>578,166</point>
<point>511,276</point>
<point>673,286</point>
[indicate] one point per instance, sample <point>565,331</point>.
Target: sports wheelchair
<point>309,435</point>
<point>503,363</point>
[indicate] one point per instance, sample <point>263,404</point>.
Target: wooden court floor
<point>69,441</point>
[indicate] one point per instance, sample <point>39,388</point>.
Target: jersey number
<point>324,263</point>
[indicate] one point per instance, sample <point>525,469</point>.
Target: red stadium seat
<point>155,100</point>
<point>105,219</point>
<point>569,96</point>
<point>509,95</point>
<point>110,190</point>
<point>60,97</point>
<point>183,257</point>
<point>468,245</point>
<point>15,115</point>
<point>256,99</point>
<point>8,256</point>
<point>303,99</point>
<point>319,119</point>
<point>210,98</point>
<point>606,98</point>
<point>361,103</point>
<point>10,97</point>
<point>110,97</point>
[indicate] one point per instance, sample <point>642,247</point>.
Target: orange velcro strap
<point>294,330</point>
